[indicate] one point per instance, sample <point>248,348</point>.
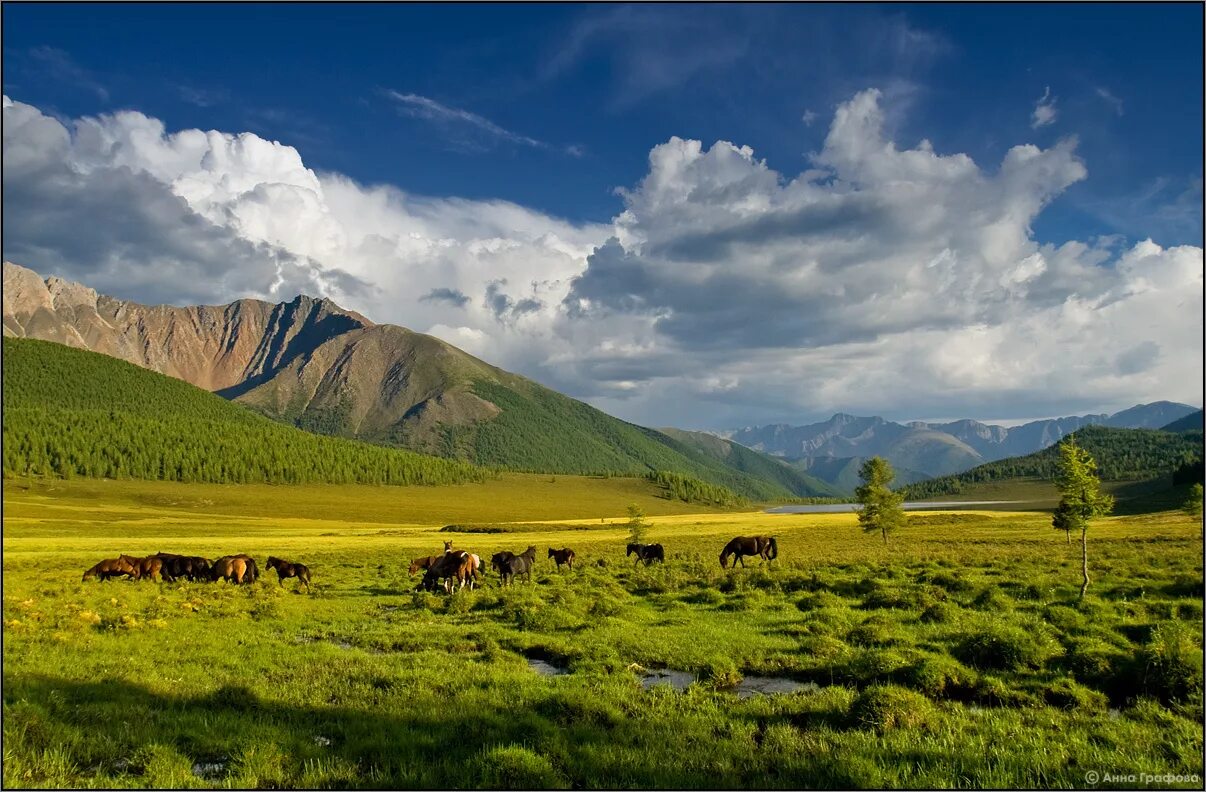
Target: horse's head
<point>552,552</point>
<point>447,545</point>
<point>724,560</point>
<point>632,548</point>
<point>273,562</point>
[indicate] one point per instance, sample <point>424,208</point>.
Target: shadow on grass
<point>233,737</point>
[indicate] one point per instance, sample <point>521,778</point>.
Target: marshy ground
<point>957,656</point>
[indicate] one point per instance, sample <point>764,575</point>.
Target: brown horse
<point>111,568</point>
<point>426,562</point>
<point>763,546</point>
<point>235,569</point>
<point>455,568</point>
<point>147,567</point>
<point>562,556</point>
<point>285,569</point>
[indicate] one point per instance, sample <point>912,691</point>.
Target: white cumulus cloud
<point>887,279</point>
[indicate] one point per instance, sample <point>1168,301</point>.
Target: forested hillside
<point>68,412</point>
<point>1121,455</point>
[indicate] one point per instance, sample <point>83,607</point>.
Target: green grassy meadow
<point>958,656</point>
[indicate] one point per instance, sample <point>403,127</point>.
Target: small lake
<point>833,508</point>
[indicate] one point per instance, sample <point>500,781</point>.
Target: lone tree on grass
<point>881,506</point>
<point>1081,501</point>
<point>638,528</point>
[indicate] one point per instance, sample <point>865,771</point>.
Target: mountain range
<point>313,364</point>
<point>930,449</point>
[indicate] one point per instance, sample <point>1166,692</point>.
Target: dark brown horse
<point>647,553</point>
<point>496,560</point>
<point>763,546</point>
<point>562,556</point>
<point>426,562</point>
<point>111,568</point>
<point>285,569</point>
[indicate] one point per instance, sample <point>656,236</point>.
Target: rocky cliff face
<point>218,347</point>
<point>307,360</point>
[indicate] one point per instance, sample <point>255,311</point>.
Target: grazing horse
<point>520,564</point>
<point>147,567</point>
<point>285,569</point>
<point>562,556</point>
<point>647,553</point>
<point>111,568</point>
<point>426,562</point>
<point>762,546</point>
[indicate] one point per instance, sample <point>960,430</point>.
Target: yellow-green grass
<point>956,656</point>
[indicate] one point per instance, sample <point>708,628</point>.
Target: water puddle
<point>749,686</point>
<point>209,770</point>
<point>679,680</point>
<point>545,668</point>
<point>769,686</point>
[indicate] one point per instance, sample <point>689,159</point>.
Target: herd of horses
<point>169,567</point>
<point>452,570</point>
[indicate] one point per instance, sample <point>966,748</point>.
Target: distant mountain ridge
<point>933,449</point>
<point>328,370</point>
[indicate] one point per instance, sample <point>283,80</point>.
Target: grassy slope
<point>1121,455</point>
<point>364,684</point>
<point>541,430</point>
<point>70,411</point>
<point>755,463</point>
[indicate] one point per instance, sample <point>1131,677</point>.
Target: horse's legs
<point>741,558</point>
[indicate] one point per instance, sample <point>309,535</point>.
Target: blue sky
<point>616,80</point>
<point>558,109</point>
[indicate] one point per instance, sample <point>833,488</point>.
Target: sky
<point>705,217</point>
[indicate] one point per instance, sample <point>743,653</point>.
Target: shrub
<point>517,767</point>
<point>992,599</point>
<point>875,665</point>
<point>886,707</point>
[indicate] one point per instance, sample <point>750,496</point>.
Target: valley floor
<point>958,656</point>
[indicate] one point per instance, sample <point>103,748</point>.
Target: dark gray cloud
<point>450,296</point>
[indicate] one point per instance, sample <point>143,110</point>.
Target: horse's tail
<point>773,549</point>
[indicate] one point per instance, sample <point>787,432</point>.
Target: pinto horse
<point>763,546</point>
<point>647,553</point>
<point>562,556</point>
<point>285,569</point>
<point>455,568</point>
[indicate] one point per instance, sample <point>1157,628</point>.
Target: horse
<point>236,569</point>
<point>198,568</point>
<point>518,565</point>
<point>147,567</point>
<point>177,566</point>
<point>285,569</point>
<point>426,562</point>
<point>562,556</point>
<point>647,553</point>
<point>456,568</point>
<point>763,546</point>
<point>110,568</point>
<point>496,560</point>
